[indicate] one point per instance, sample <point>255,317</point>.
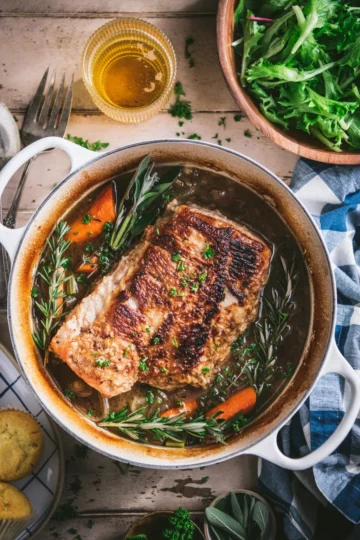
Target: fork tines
<point>48,111</point>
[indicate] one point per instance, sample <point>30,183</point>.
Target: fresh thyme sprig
<point>255,354</point>
<point>259,366</point>
<point>177,428</point>
<point>53,275</point>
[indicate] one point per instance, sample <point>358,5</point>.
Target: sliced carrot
<point>101,211</point>
<point>88,267</point>
<point>243,401</point>
<point>187,407</point>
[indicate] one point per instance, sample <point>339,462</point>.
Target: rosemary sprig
<point>177,428</point>
<point>53,275</point>
<point>255,353</point>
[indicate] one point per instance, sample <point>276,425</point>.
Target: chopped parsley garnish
<point>95,146</point>
<point>82,279</point>
<point>176,257</point>
<point>175,343</point>
<point>150,397</point>
<point>228,140</point>
<point>209,252</point>
<point>173,292</point>
<point>181,266</point>
<point>205,370</point>
<point>189,54</point>
<point>35,292</point>
<point>181,123</point>
<point>216,136</point>
<point>181,108</point>
<point>219,141</point>
<point>127,348</point>
<point>156,340</point>
<point>70,394</point>
<point>102,363</point>
<point>222,122</point>
<point>143,365</point>
<point>147,329</point>
<point>86,219</point>
<point>194,287</point>
<point>202,277</point>
<point>287,371</point>
<point>237,117</point>
<point>248,134</point>
<point>164,370</point>
<point>217,346</point>
<point>91,412</point>
<point>194,136</point>
<point>185,282</point>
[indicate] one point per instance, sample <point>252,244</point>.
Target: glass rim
<point>170,54</point>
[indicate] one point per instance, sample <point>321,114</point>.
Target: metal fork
<point>47,116</point>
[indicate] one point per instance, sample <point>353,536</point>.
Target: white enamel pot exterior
<point>320,356</point>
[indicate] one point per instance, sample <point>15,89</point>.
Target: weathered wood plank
<point>96,484</point>
<point>58,43</point>
<point>50,168</point>
<point>94,527</point>
<point>113,7</point>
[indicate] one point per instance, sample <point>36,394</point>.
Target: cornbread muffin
<point>21,444</point>
<point>14,504</point>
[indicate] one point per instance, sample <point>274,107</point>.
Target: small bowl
<point>272,531</point>
<point>132,34</point>
<point>294,141</point>
<point>155,518</point>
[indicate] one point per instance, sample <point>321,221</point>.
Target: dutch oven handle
<point>10,238</point>
<point>268,448</point>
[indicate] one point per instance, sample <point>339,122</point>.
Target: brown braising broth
<point>237,202</point>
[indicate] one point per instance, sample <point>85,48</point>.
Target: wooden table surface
<point>35,34</point>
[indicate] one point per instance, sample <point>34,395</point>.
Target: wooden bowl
<point>294,141</point>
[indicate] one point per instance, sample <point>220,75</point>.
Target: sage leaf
<point>217,534</point>
<point>226,523</point>
<point>246,513</point>
<point>236,509</point>
<point>261,515</point>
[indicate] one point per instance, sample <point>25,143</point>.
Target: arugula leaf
<point>304,69</point>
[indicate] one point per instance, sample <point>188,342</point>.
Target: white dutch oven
<point>320,356</point>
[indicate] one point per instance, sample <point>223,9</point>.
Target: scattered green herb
<point>181,108</point>
<point>35,292</point>
<point>189,54</point>
<point>248,134</point>
<point>237,117</point>
<point>86,219</point>
<point>102,363</point>
<point>209,252</point>
<point>143,365</point>
<point>95,146</point>
<point>150,397</point>
<point>195,136</point>
<point>222,122</point>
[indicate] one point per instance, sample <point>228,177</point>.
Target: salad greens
<point>302,65</point>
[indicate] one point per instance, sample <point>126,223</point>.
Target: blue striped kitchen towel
<point>306,501</point>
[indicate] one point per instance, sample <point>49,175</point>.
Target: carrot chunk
<point>243,401</point>
<point>91,225</point>
<point>88,267</point>
<point>187,407</point>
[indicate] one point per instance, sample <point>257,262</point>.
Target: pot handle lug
<point>268,448</point>
<point>10,238</point>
